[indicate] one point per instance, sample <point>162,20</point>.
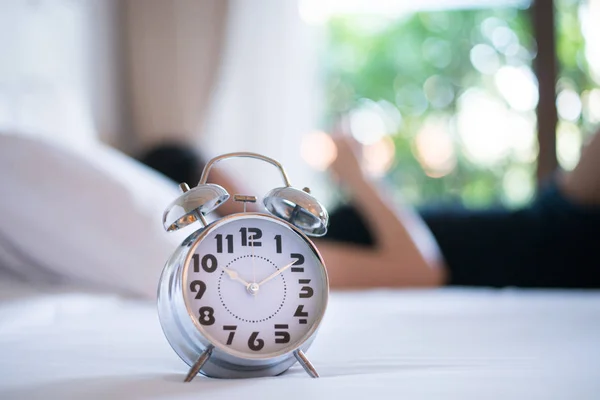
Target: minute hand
<point>274,274</point>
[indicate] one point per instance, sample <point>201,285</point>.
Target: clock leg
<point>308,367</point>
<point>198,365</point>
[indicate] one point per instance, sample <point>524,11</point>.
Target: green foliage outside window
<point>419,67</point>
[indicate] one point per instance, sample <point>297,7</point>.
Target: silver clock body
<point>185,335</point>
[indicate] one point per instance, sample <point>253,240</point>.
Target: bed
<point>448,343</point>
<point>67,341</point>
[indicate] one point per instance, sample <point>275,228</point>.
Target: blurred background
<point>462,102</point>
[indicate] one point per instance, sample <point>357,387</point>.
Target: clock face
<point>255,287</point>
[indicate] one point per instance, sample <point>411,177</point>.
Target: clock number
<point>199,288</point>
<point>306,291</point>
<point>196,259</point>
<point>252,239</point>
<point>207,316</point>
<point>228,238</point>
<point>278,243</point>
<point>282,336</point>
<point>299,261</point>
<point>231,329</point>
<point>255,344</point>
<point>301,313</point>
<point>209,263</point>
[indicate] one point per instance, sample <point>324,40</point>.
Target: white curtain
<point>172,52</point>
<point>58,69</point>
<point>224,76</point>
<point>266,95</point>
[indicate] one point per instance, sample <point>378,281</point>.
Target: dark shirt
<point>551,243</point>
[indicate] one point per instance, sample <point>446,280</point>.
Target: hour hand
<point>235,276</point>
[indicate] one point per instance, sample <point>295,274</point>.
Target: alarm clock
<point>243,296</point>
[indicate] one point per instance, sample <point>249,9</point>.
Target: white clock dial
<point>255,287</point>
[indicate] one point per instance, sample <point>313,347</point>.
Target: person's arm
<point>582,185</point>
<point>551,243</point>
<point>221,178</point>
<point>405,253</point>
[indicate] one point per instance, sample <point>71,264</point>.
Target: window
<point>445,100</point>
<point>577,91</point>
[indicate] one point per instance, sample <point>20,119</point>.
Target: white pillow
<point>89,214</point>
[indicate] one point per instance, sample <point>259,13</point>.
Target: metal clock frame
<point>188,338</point>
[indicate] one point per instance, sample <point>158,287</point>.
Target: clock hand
<point>274,274</point>
<point>234,276</point>
<point>254,288</point>
<point>253,264</point>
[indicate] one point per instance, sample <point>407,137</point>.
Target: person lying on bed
<point>87,215</point>
<point>553,242</point>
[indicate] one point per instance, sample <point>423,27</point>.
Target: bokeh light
<point>504,39</point>
<point>591,31</point>
<point>411,99</point>
<point>378,157</point>
<point>518,86</point>
<point>485,59</point>
<point>391,115</point>
<point>438,91</point>
<point>371,121</point>
<point>434,148</point>
<point>568,105</point>
<point>518,185</point>
<point>569,142</point>
<point>480,123</point>
<point>318,150</point>
<point>438,52</point>
<point>591,100</point>
<point>367,125</point>
<point>489,131</point>
<point>489,26</point>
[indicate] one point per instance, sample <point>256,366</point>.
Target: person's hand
<point>347,165</point>
<point>582,184</point>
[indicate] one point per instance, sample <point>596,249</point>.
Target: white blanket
<point>450,344</point>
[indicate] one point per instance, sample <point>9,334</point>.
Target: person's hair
<point>176,161</point>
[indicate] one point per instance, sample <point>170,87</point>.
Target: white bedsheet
<point>450,344</point>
